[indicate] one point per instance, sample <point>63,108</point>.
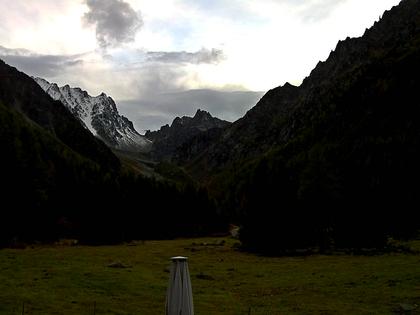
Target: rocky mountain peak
<point>168,138</point>
<point>395,29</point>
<point>99,115</point>
<point>202,114</point>
<point>178,121</point>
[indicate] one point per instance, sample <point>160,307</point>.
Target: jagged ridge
<point>284,112</point>
<point>168,139</point>
<point>99,115</point>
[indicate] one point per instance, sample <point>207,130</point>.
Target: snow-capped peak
<point>99,114</point>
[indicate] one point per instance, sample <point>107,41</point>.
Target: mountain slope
<point>20,93</point>
<point>59,181</point>
<point>335,160</point>
<point>99,115</point>
<point>285,111</point>
<point>169,138</point>
<point>51,166</point>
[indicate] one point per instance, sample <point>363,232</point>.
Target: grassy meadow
<point>79,280</point>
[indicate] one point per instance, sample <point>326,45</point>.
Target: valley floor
<point>72,280</point>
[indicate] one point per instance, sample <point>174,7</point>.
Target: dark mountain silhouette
<point>49,162</point>
<point>335,159</point>
<point>168,139</point>
<point>284,111</point>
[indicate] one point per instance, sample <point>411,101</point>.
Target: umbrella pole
<point>179,300</point>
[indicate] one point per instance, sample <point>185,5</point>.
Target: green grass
<point>68,280</point>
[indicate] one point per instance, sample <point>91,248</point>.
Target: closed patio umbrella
<point>179,300</point>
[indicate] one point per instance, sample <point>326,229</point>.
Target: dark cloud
<point>36,64</point>
<point>202,56</point>
<point>154,111</point>
<point>115,22</point>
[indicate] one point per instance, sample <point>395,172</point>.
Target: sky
<point>164,58</point>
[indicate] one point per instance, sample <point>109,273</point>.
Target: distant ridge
<point>169,138</point>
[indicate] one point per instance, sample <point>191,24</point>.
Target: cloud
<point>38,64</point>
<point>4,51</point>
<point>151,73</point>
<point>152,79</point>
<point>211,56</point>
<point>115,22</point>
<point>316,10</point>
<point>237,12</point>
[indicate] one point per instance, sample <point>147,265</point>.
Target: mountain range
<point>98,114</point>
<point>330,163</point>
<point>59,180</point>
